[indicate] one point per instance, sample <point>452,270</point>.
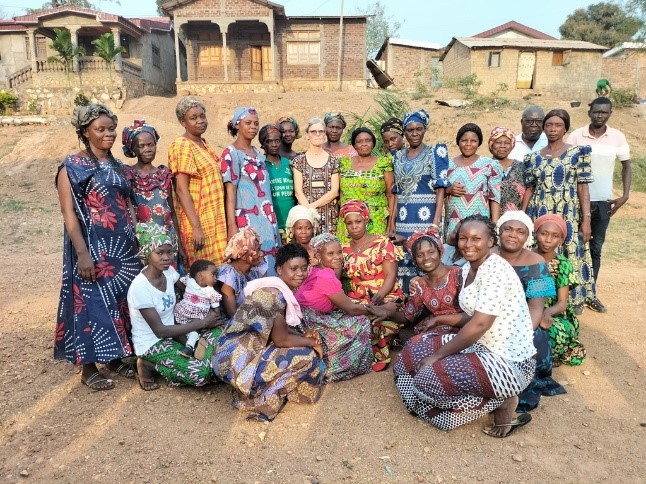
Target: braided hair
<point>491,226</point>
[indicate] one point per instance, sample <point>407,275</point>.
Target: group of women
<point>322,257</point>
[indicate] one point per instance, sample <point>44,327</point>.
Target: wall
<point>457,62</point>
<point>158,79</point>
<point>13,54</point>
<point>408,66</point>
<point>627,71</point>
<point>232,8</point>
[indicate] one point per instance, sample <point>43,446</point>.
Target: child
<point>199,298</point>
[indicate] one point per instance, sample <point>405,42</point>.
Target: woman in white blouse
<point>451,379</point>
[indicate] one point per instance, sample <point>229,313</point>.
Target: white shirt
<point>143,295</point>
<point>521,149</point>
<point>497,291</point>
<point>606,150</point>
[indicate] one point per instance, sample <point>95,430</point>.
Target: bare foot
<point>94,379</point>
<point>146,375</point>
<point>502,417</point>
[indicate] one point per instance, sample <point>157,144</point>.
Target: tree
<point>105,49</point>
<point>602,23</point>
<point>67,51</point>
<point>638,9</point>
<point>380,27</point>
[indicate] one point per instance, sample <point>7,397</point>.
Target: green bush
<point>622,97</point>
<point>81,100</point>
<point>8,101</point>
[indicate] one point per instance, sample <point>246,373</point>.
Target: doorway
<point>526,68</point>
<point>261,63</point>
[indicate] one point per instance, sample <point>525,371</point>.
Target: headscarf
<point>550,217</point>
<point>84,115</point>
<point>129,134</point>
<point>290,119</point>
<point>393,124</point>
<point>152,236</point>
<point>431,233</point>
<point>239,114</point>
<point>522,217</point>
<point>499,132</point>
<point>419,116</point>
<point>320,240</point>
<point>329,117</point>
<point>355,206</point>
<point>266,130</point>
<point>293,312</point>
<point>301,212</point>
<point>241,244</point>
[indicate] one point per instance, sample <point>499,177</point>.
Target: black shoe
<point>186,351</point>
<point>596,305</point>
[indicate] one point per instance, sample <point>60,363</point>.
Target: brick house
<point>252,45</point>
<point>146,67</point>
<point>525,60</point>
<point>411,63</point>
<point>625,66</point>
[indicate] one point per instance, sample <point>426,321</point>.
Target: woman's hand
<point>213,319</point>
<point>428,361</point>
<point>425,325</point>
<point>457,189</point>
<point>380,313</point>
<point>181,255</point>
<point>85,267</point>
<point>546,322</point>
<point>318,347</point>
<point>198,238</point>
<point>396,238</point>
<point>377,299</point>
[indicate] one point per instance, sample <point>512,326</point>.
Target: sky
<point>425,20</point>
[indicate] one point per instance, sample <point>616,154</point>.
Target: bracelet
<point>435,226</point>
<point>587,215</point>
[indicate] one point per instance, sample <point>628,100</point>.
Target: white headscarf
<point>301,212</point>
<point>522,217</point>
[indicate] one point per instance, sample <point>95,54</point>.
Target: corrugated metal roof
<point>513,25</point>
<point>474,43</point>
<point>625,46</point>
<point>415,43</point>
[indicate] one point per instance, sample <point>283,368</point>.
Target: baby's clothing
<point>196,304</point>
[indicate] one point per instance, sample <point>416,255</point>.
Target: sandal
<point>124,369</point>
<point>98,382</point>
<point>596,305</point>
<point>515,424</point>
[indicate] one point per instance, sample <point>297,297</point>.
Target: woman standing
<point>420,180</point>
<point>392,135</point>
<point>369,178</point>
<point>290,133</point>
<point>334,126</point>
<point>199,194</point>
<point>512,188</point>
<point>475,181</point>
<point>257,355</point>
<point>316,178</point>
<point>557,180</point>
<point>280,174</point>
<point>99,252</point>
<point>248,188</point>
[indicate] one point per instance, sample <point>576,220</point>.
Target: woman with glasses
<point>316,177</point>
<point>501,143</point>
<point>420,180</point>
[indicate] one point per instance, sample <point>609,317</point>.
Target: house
<point>411,63</point>
<point>252,45</point>
<point>525,59</point>
<point>147,66</point>
<point>625,66</point>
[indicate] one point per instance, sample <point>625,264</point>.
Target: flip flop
<point>96,380</point>
<point>515,424</point>
<point>124,369</point>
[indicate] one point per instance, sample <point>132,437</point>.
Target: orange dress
<point>202,165</point>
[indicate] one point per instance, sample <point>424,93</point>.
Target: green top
<point>282,189</point>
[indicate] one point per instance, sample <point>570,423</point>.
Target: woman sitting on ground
<point>515,231</point>
<point>559,315</point>
<point>342,324</point>
<point>244,262</point>
<point>158,341</point>
<point>450,379</point>
<point>258,355</point>
<point>302,223</point>
<point>371,267</point>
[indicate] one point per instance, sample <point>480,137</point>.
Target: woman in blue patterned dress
<point>99,252</point>
<point>248,201</point>
<point>420,180</point>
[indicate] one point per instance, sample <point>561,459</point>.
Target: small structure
<point>523,58</point>
<point>411,63</point>
<point>146,67</point>
<point>625,66</point>
<point>252,45</point>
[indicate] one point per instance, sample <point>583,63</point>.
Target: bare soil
<point>53,429</point>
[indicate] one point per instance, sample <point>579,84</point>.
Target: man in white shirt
<point>608,145</point>
<point>532,137</point>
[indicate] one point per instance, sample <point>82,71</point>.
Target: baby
<point>199,298</point>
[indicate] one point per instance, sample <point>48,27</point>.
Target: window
<point>156,57</point>
<point>303,47</point>
<point>494,59</point>
<point>557,58</point>
<point>125,43</point>
<point>212,55</point>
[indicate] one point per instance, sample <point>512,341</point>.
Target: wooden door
<point>267,74</point>
<point>256,63</point>
<point>526,67</point>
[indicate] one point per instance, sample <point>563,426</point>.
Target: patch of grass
<point>625,239</point>
<point>13,206</point>
<point>639,175</point>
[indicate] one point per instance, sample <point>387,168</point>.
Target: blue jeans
<point>599,223</point>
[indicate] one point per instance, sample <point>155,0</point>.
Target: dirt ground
<point>53,429</point>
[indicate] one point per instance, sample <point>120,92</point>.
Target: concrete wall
<point>13,55</point>
<point>457,62</point>
<point>158,79</point>
<point>627,71</point>
<point>409,66</point>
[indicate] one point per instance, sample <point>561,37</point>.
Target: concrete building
<point>625,67</point>
<point>411,63</point>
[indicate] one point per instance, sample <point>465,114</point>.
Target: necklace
<point>359,249</point>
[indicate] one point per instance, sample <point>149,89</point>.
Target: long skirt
<point>458,388</point>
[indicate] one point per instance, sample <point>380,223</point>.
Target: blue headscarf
<point>419,116</point>
<point>129,134</point>
<point>240,113</point>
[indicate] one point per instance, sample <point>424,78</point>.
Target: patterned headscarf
<point>129,134</point>
<point>499,132</point>
<point>320,240</point>
<point>419,116</point>
<point>519,216</point>
<point>84,115</point>
<point>301,212</point>
<point>355,206</point>
<point>329,117</point>
<point>266,130</point>
<point>393,124</point>
<point>151,236</point>
<point>239,114</point>
<point>431,233</point>
<point>555,219</point>
<point>290,119</point>
<point>241,244</point>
